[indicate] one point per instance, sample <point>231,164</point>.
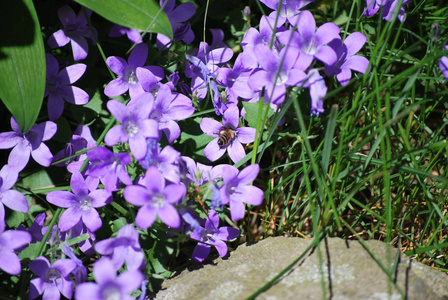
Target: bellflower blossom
<point>204,66</point>
<point>177,17</point>
<point>58,87</point>
<point>77,143</point>
<point>36,228</point>
<point>126,71</point>
<point>197,173</point>
<point>389,9</point>
<point>75,31</point>
<point>28,144</point>
<point>109,167</point>
<point>11,240</point>
<point>135,126</point>
<point>132,34</point>
<point>164,160</point>
<point>236,189</point>
<point>240,135</point>
<point>253,37</point>
<point>443,64</point>
<point>288,8</point>
<point>13,199</point>
<point>235,81</point>
<point>318,91</point>
<point>108,285</point>
<point>79,229</point>
<point>81,204</point>
<point>53,279</point>
<point>168,108</point>
<point>212,235</point>
<point>311,41</point>
<point>83,132</point>
<point>276,72</point>
<point>156,199</point>
<point>80,272</point>
<point>123,248</point>
<point>347,60</point>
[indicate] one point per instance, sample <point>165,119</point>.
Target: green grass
<point>373,166</point>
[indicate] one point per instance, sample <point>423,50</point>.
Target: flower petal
<point>80,48</point>
<point>248,174</point>
<point>10,263</point>
<point>92,220</point>
<point>213,151</point>
<point>117,65</point>
<point>169,215</point>
<point>246,135</point>
<point>145,217</point>
<point>138,56</point>
<point>136,195</point>
<point>236,151</point>
<point>210,127</point>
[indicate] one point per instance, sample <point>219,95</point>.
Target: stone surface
<point>355,273</point>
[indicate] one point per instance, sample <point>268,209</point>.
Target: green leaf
<point>145,15</point>
<point>252,112</point>
<point>30,252</point>
<point>22,61</point>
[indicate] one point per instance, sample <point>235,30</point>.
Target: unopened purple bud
<point>174,77</point>
<point>246,13</point>
<point>435,31</point>
<point>185,89</point>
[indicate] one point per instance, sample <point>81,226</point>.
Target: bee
<point>226,137</point>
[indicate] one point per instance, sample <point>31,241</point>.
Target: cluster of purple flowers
<point>282,54</point>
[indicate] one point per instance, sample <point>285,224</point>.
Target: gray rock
<point>355,273</point>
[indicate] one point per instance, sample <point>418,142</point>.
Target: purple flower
<point>124,248</point>
<point>204,66</point>
<point>168,108</point>
<point>126,71</point>
<point>80,272</point>
<point>197,172</point>
<point>312,42</point>
<point>253,38</point>
<point>108,285</point>
<point>347,60</point>
<point>236,189</point>
<point>389,9</point>
<point>13,199</point>
<point>177,17</point>
<point>236,79</point>
<point>318,90</point>
<point>36,228</point>
<point>228,136</point>
<point>79,229</point>
<point>81,204</point>
<point>109,167</point>
<point>77,143</point>
<point>11,240</point>
<point>212,235</point>
<point>288,8</point>
<point>59,87</point>
<point>75,31</point>
<point>135,126</point>
<point>276,72</point>
<point>132,34</point>
<point>155,199</point>
<point>31,143</point>
<point>164,160</point>
<point>53,279</point>
<point>443,64</point>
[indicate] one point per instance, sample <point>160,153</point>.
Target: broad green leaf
<point>145,15</point>
<point>22,61</point>
<point>252,112</point>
